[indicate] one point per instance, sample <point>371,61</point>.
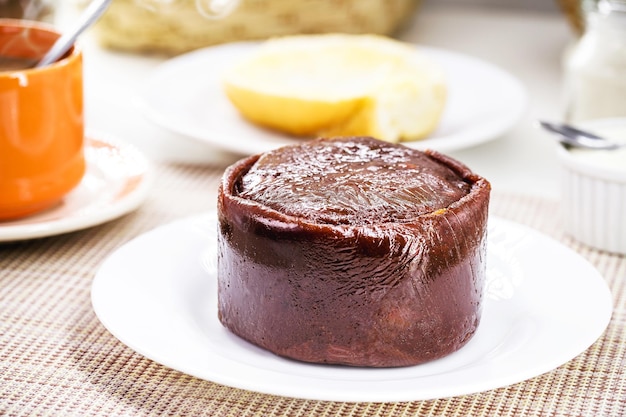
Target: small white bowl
<point>593,187</point>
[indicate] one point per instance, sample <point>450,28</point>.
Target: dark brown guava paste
<point>352,251</point>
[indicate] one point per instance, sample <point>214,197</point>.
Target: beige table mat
<point>57,359</point>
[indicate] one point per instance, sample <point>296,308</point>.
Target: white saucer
<point>116,182</point>
<point>184,94</point>
<point>544,305</point>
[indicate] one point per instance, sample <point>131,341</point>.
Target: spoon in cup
<point>92,12</point>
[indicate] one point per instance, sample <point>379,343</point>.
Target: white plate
<point>544,305</point>
<point>116,182</point>
<point>184,94</point>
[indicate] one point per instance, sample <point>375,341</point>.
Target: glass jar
<point>595,71</point>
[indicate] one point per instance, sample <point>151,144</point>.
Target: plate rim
<point>496,129</point>
<point>46,228</point>
<point>295,392</point>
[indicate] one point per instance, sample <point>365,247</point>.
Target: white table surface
<point>528,44</point>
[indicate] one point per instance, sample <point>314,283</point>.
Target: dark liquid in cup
<point>15,63</point>
<point>39,10</point>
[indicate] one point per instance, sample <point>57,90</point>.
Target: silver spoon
<point>574,137</point>
<point>91,13</point>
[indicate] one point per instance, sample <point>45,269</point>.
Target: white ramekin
<point>594,194</point>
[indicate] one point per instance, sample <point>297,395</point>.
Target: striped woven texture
<point>56,359</point>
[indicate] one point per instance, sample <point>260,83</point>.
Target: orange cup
<point>41,122</point>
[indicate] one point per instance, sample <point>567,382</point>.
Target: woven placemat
<point>56,359</point>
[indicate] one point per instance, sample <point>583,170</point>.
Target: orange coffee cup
<point>41,122</point>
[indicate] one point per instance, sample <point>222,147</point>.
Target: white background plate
<point>184,94</point>
<point>544,305</point>
<point>116,181</point>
